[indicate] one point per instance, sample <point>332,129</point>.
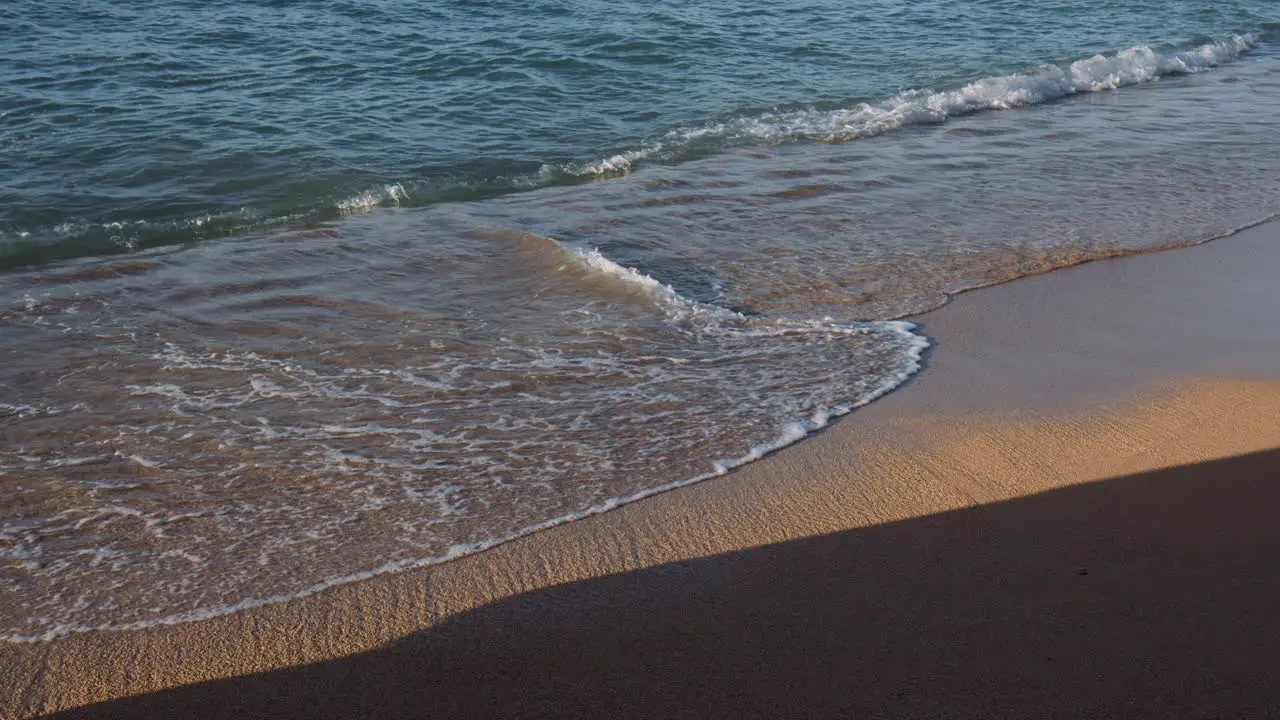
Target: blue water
<point>292,294</point>
<point>125,125</point>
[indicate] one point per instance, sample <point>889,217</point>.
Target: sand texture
<point>1072,512</point>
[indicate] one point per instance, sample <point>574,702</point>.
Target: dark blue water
<point>125,125</point>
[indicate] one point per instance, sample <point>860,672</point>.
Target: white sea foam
<point>132,234</point>
<point>795,431</point>
<point>1132,66</point>
<point>790,433</point>
<point>388,195</point>
<point>678,309</point>
<point>129,234</point>
<point>1050,82</point>
<point>620,163</point>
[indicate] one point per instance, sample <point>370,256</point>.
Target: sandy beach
<point>1070,512</point>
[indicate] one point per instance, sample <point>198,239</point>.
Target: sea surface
<point>292,294</point>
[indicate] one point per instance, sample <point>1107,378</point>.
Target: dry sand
<point>1072,512</point>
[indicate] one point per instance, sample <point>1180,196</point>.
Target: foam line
<point>1139,64</point>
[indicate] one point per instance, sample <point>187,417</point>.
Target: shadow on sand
<point>1153,595</point>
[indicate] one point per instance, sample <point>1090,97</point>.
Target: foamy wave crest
<point>619,164</point>
<point>675,306</point>
<point>714,319</point>
<point>1049,82</point>
<point>1135,65</point>
<point>386,196</point>
<point>717,320</point>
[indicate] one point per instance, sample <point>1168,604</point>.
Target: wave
<point>392,195</point>
<point>21,247</point>
<point>681,311</point>
<point>1135,65</point>
<point>715,319</point>
<point>678,309</point>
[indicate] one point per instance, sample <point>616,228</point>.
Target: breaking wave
<point>21,247</point>
<point>1139,64</point>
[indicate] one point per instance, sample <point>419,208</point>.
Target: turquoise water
<point>295,295</point>
<point>124,126</point>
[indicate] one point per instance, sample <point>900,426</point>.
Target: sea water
<point>294,294</point>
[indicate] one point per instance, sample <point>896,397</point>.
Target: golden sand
<point>1071,512</point>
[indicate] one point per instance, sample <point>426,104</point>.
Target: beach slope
<point>1070,513</point>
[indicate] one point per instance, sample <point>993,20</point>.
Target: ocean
<point>293,294</point>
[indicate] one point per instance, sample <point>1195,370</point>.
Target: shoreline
<point>723,466</point>
<point>1052,383</point>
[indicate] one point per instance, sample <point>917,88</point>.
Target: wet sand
<point>1069,513</point>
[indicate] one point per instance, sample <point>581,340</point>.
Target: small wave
<point>392,195</point>
<point>790,429</point>
<point>1135,65</point>
<point>617,164</point>
<point>21,247</point>
<point>682,310</point>
<point>677,308</point>
<point>77,238</point>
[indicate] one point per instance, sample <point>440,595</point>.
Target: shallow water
<point>191,427</point>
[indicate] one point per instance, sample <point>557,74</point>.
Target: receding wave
<point>377,460</point>
<point>21,247</point>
